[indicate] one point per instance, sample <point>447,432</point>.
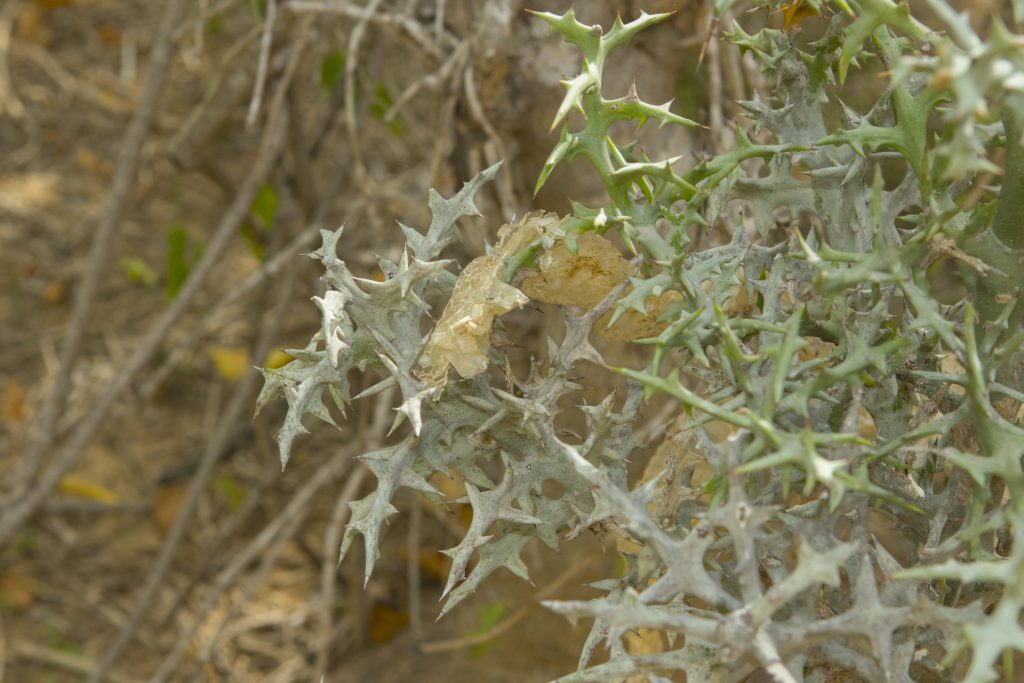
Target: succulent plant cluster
<point>826,394</point>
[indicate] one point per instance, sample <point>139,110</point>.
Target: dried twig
<point>511,620</point>
<point>658,424</point>
<point>719,132</point>
<point>225,90</point>
<point>235,524</point>
<point>769,657</point>
<point>269,557</point>
<point>129,161</point>
<point>443,140</point>
<point>355,39</point>
<point>412,566</point>
<point>237,408</point>
<point>293,513</point>
<point>497,151</point>
<point>3,649</point>
<point>403,21</point>
<point>439,8</point>
<point>66,458</point>
<point>371,438</point>
<point>431,80</point>
<point>264,61</point>
<point>329,567</point>
<point>270,148</point>
<point>77,84</point>
<point>269,269</point>
<point>304,177</point>
<point>65,660</point>
<point>10,104</point>
<point>205,14</point>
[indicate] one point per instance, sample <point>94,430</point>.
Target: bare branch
<point>129,161</point>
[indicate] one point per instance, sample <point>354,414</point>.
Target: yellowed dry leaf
<point>83,488</point>
<point>276,358</point>
<point>796,12</point>
<point>584,279</point>
<point>230,362</point>
<point>866,426</point>
<point>166,503</point>
<point>643,641</point>
<point>950,365</point>
<point>13,403</point>
<point>462,336</point>
<point>54,293</point>
<point>18,589</point>
<point>580,280</point>
<point>814,348</point>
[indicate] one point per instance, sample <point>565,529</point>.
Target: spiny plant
<point>826,393</point>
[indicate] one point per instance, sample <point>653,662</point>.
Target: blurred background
<point>162,167</point>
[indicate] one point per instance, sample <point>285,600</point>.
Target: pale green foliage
<point>752,580</point>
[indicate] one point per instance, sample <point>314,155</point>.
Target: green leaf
<point>264,207</point>
<point>138,271</point>
<point>488,618</point>
<point>252,241</point>
<point>331,68</point>
<point>381,105</point>
<point>231,490</point>
<point>181,256</point>
<point>57,640</point>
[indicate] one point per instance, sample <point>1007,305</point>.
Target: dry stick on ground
<point>658,424</point>
<point>297,508</point>
<point>66,458</point>
<point>371,436</point>
<point>406,22</point>
<point>303,178</point>
<point>270,148</point>
<point>412,566</point>
<point>64,660</point>
<point>512,619</point>
<point>264,62</point>
<point>719,132</point>
<point>506,195</point>
<point>269,558</point>
<point>223,93</point>
<point>270,268</point>
<point>288,530</point>
<point>351,63</point>
<point>78,84</point>
<point>276,621</point>
<point>240,401</point>
<point>129,161</point>
<point>432,80</point>
<point>439,7</point>
<point>329,568</point>
<point>403,22</point>
<point>445,126</point>
<point>3,649</point>
<point>230,530</point>
<point>237,408</point>
<point>205,14</point>
<point>10,105</point>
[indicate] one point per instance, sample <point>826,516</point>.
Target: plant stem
<point>1002,245</point>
